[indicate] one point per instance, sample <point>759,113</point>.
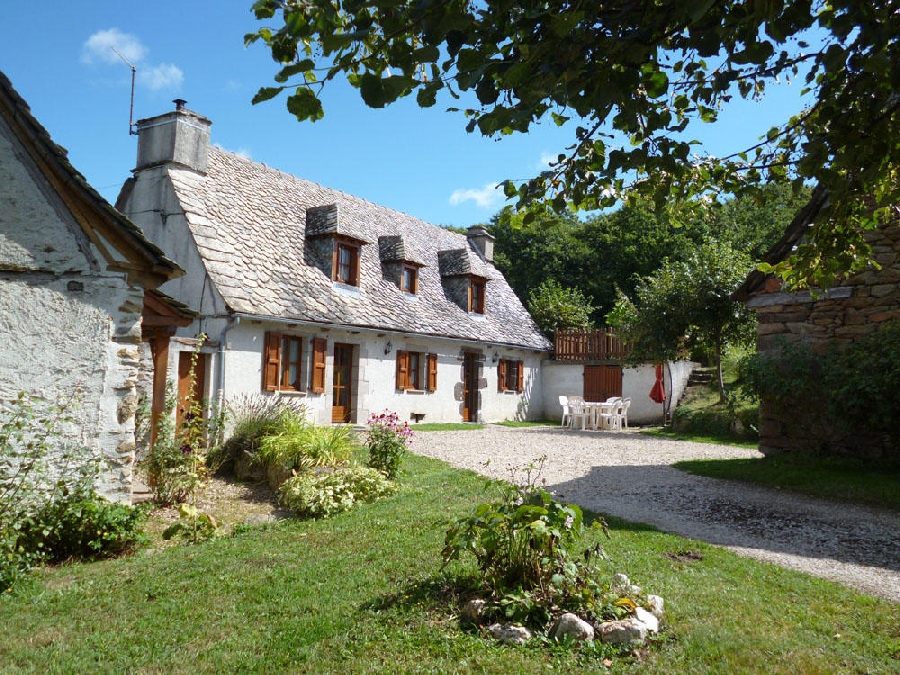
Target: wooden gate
<point>601,382</point>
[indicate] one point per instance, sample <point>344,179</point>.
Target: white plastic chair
<point>626,403</point>
<point>564,402</point>
<point>612,420</point>
<point>577,410</point>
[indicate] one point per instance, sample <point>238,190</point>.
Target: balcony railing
<point>589,345</point>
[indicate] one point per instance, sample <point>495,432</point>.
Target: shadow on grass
<point>442,593</point>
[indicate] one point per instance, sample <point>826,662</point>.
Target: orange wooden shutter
<point>402,369</point>
<point>520,368</point>
<point>501,376</point>
<point>432,372</point>
<point>320,351</point>
<point>271,358</point>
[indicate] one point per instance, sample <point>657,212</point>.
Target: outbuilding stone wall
<point>845,313</point>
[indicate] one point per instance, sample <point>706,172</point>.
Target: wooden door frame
<point>348,414</point>
<point>470,394</point>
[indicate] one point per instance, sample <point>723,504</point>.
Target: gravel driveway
<point>629,475</point>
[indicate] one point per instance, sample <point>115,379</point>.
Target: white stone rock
<point>625,631</point>
<point>657,606</point>
<point>508,633</point>
<point>620,582</point>
<point>570,626</point>
<point>647,618</point>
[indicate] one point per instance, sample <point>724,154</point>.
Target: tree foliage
<point>687,304</point>
<point>634,79</point>
<point>556,308</point>
<point>610,251</point>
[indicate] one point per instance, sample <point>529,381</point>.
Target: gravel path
<point>629,475</point>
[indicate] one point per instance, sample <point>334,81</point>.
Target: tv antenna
<point>131,130</point>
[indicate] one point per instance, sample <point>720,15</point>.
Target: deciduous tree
<point>687,303</point>
<point>634,79</point>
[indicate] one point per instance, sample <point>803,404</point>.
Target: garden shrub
<point>526,547</point>
<point>296,444</point>
<point>48,508</point>
<point>252,417</point>
<point>318,493</point>
<point>82,526</point>
<point>387,441</point>
<point>849,389</point>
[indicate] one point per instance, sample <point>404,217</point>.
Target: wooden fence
<point>589,345</point>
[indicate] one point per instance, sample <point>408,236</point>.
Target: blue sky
<point>57,55</point>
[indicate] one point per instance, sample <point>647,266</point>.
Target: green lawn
<point>874,483</point>
<point>363,593</point>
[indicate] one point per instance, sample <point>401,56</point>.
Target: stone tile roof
<point>249,222</point>
<point>54,159</point>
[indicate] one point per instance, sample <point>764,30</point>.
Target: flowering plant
<point>387,440</point>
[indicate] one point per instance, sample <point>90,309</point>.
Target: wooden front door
<point>601,382</point>
<point>470,387</point>
<point>190,389</point>
<point>341,392</point>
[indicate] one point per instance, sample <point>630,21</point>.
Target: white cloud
<point>240,152</point>
<point>547,159</point>
<point>490,196</point>
<point>163,76</point>
<point>98,47</point>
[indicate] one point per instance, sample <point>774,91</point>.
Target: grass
<point>363,592</point>
<point>845,480</point>
<point>518,424</point>
<point>446,426</point>
<point>718,439</point>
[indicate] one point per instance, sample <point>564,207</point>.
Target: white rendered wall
<point>567,379</point>
<point>374,375</point>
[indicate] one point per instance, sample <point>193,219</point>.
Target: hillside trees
<point>633,81</point>
<point>687,304</point>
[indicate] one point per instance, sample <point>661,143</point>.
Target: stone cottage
<point>305,291</point>
<point>853,309</point>
<point>76,281</point>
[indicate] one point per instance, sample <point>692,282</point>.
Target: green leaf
<point>305,105</point>
<point>266,93</point>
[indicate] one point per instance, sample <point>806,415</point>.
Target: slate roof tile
<point>258,220</point>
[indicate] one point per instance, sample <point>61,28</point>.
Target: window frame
<point>353,249</point>
<point>510,375</point>
<point>477,293</point>
<point>413,271</point>
<point>276,367</point>
<point>416,371</point>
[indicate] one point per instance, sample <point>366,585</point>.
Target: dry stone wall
<point>847,313</point>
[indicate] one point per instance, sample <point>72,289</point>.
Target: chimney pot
<point>179,103</point>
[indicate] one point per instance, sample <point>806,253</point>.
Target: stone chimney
<point>179,137</point>
<point>483,242</point>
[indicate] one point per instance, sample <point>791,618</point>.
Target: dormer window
<point>409,279</point>
<point>346,261</point>
<point>476,295</point>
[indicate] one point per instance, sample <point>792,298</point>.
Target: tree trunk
<point>719,376</point>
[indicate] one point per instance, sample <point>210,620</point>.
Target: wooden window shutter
<point>402,369</point>
<point>271,360</point>
<point>432,372</point>
<point>501,376</point>
<point>519,382</point>
<point>320,351</point>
